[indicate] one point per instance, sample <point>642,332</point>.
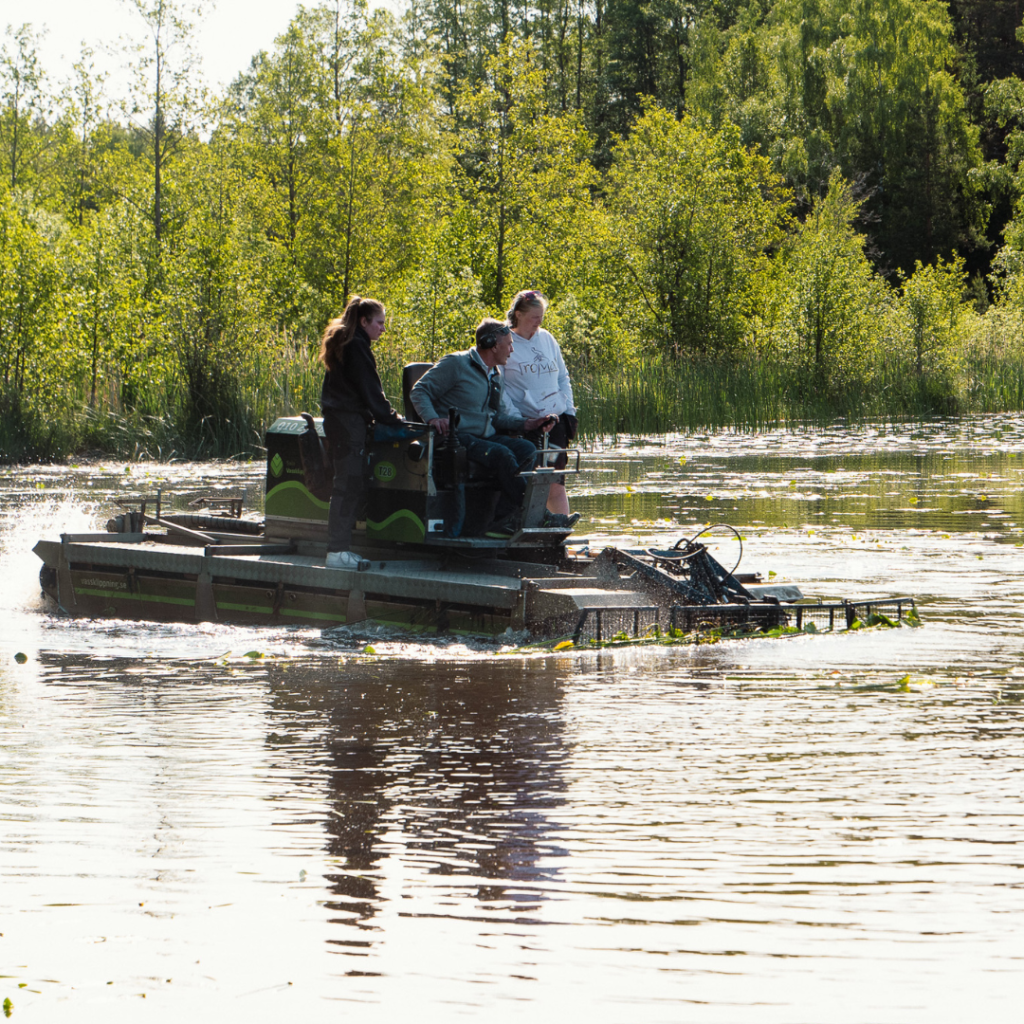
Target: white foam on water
<point>24,611</point>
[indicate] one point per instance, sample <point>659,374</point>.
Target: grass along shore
<point>174,423</point>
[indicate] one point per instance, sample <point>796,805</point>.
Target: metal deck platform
<point>133,576</point>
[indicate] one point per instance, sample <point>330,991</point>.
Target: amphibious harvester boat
<point>430,566</point>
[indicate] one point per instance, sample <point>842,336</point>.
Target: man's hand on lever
<point>544,423</point>
<point>440,425</point>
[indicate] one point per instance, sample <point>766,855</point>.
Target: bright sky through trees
<point>227,38</point>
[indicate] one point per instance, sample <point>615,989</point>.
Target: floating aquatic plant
<point>911,683</point>
<point>656,636</point>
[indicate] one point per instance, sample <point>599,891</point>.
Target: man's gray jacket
<point>460,381</point>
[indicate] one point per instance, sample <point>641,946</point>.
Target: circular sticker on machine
<point>384,471</point>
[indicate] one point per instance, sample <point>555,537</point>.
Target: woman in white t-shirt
<point>537,384</point>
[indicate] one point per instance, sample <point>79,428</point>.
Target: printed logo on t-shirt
<point>539,367</point>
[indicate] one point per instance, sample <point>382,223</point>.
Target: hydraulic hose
<point>708,529</point>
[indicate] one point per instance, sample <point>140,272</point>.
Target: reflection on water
<point>224,820</point>
<point>456,778</point>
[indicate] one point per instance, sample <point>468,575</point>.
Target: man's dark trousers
<point>505,457</point>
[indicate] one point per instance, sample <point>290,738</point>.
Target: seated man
<point>471,382</point>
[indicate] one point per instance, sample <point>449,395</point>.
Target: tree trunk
<point>579,55</point>
<point>499,275</point>
<point>351,204</point>
<point>158,141</point>
<point>15,104</point>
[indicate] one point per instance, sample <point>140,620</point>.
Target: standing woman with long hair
<point>351,399</point>
<point>537,385</point>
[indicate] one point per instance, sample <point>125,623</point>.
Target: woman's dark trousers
<point>346,442</point>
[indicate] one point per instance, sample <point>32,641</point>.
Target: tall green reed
<point>282,377</point>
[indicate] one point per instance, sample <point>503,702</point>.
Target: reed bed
<point>645,398</point>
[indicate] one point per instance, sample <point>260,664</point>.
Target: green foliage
<point>23,103</point>
<point>936,321</point>
<point>689,394</point>
<point>716,196</point>
<point>651,49</point>
<point>865,86</point>
<point>833,302</point>
<point>697,215</point>
<point>28,289</point>
<point>526,178</point>
<point>167,98</point>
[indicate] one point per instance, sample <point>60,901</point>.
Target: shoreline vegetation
<point>641,400</point>
<point>745,213</point>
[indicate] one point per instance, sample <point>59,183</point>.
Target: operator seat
<point>411,373</point>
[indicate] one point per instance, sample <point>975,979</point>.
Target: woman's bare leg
<point>558,500</point>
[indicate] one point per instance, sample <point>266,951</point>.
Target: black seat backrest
<point>411,373</point>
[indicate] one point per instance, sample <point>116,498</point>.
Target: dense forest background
<point>742,211</point>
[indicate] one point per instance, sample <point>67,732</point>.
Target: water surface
<point>215,821</point>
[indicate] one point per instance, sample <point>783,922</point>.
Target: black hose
<point>219,524</point>
<point>708,529</point>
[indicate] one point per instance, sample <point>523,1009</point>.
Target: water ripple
<point>821,828</point>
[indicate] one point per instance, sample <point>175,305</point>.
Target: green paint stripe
<point>294,485</point>
<point>259,609</point>
<point>255,609</point>
<point>314,615</point>
<point>189,602</point>
<point>402,513</point>
<point>404,623</point>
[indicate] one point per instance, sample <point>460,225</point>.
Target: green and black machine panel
<point>298,494</point>
<point>397,492</point>
<point>420,488</point>
<point>298,490</point>
<point>424,488</point>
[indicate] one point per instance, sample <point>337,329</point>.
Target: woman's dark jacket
<point>355,387</point>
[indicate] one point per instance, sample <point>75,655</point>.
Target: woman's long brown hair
<point>342,329</point>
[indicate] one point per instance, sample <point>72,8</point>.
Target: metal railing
<point>619,616</point>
